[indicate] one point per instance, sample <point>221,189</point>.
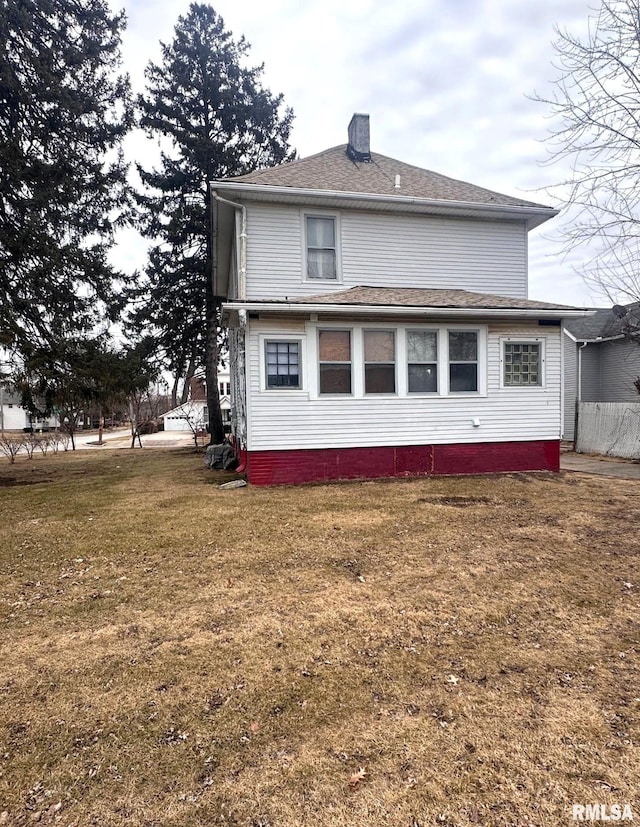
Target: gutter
<point>599,339</point>
<point>395,310</point>
<point>279,193</point>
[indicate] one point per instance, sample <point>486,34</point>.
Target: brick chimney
<point>358,146</point>
<point>198,389</point>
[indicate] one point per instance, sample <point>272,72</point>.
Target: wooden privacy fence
<point>609,428</point>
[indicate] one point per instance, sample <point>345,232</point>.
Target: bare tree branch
<point>595,113</point>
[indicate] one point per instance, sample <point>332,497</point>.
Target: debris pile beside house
<point>220,457</point>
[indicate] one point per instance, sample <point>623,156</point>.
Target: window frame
<point>332,328</point>
<point>264,377</point>
<point>437,330</point>
<point>449,361</point>
<point>524,340</point>
<point>305,248</point>
<point>383,329</point>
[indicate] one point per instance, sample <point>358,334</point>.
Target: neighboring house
<point>193,414</point>
<point>379,323</point>
<point>601,362</point>
<point>13,417</point>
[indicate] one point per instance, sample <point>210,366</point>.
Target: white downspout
<point>580,349</point>
<point>242,264</point>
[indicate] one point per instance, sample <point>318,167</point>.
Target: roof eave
<point>533,215</point>
<point>301,308</point>
<point>596,340</point>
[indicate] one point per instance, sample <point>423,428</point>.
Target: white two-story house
<point>379,323</point>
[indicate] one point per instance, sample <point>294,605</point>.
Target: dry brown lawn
<point>457,651</point>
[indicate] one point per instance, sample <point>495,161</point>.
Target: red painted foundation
<point>326,464</point>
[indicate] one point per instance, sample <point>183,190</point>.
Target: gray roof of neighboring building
<point>333,170</point>
<point>604,324</point>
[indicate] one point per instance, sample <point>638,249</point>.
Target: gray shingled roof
<point>420,297</point>
<point>333,170</point>
<point>604,324</point>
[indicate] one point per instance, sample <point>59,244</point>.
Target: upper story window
<point>283,364</point>
<point>379,361</point>
<point>334,351</point>
<point>463,361</point>
<point>522,363</point>
<point>321,248</point>
<point>422,361</point>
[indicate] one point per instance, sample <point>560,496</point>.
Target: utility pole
<point>3,376</point>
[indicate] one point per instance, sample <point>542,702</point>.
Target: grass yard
<point>459,651</point>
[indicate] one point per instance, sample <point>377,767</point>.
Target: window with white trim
<point>334,357</point>
<point>463,361</point>
<point>379,361</point>
<point>422,361</point>
<point>321,247</point>
<point>433,361</point>
<point>522,364</point>
<point>283,364</point>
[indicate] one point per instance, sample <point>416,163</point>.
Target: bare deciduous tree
<point>595,104</point>
<point>10,446</point>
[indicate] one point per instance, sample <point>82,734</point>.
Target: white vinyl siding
<point>386,249</point>
<point>304,419</point>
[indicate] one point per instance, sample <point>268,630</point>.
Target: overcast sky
<point>445,83</point>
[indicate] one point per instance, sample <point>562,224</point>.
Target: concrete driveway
<point>606,466</point>
<point>121,438</point>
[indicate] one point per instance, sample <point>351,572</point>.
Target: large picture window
<point>283,364</point>
<point>422,361</point>
<point>321,247</point>
<point>334,348</point>
<point>379,361</point>
<point>522,363</point>
<point>463,361</point>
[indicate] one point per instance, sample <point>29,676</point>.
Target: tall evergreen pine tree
<point>220,122</point>
<point>64,110</point>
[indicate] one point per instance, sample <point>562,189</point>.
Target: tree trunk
<point>174,393</point>
<point>191,370</point>
<point>216,428</point>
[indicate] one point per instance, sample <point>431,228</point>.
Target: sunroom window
<point>463,361</point>
<point>422,359</point>
<point>335,361</point>
<point>379,361</point>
